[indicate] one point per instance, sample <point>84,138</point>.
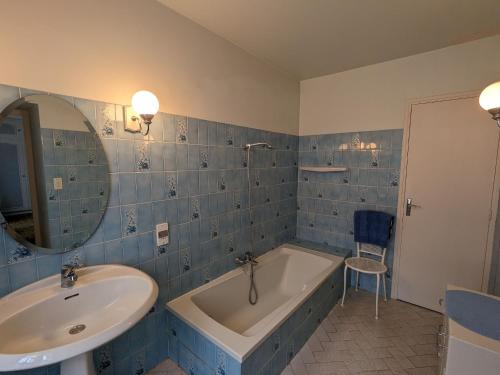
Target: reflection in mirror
<point>55,179</point>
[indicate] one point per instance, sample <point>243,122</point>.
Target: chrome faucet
<point>248,258</point>
<point>68,275</point>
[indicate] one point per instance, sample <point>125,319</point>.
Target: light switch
<point>58,184</point>
<point>162,234</point>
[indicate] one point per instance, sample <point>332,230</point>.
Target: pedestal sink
<point>43,323</point>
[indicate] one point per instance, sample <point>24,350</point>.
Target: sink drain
<point>77,329</point>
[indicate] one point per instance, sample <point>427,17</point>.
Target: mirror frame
<point>19,104</point>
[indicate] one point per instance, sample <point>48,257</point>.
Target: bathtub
<point>285,278</point>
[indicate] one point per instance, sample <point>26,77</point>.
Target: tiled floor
<point>166,368</point>
<point>351,341</point>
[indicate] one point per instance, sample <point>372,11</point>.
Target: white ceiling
<point>310,38</point>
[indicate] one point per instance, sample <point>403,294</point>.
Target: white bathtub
<point>285,277</point>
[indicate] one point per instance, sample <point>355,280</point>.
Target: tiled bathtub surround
<point>327,201</point>
<point>188,172</point>
<point>197,355</point>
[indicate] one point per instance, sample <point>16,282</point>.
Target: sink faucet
<point>68,275</point>
<point>248,258</point>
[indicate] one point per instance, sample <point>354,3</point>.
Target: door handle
<point>409,205</point>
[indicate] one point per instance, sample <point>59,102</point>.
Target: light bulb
<point>490,97</point>
<point>145,103</point>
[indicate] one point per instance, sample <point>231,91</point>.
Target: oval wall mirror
<point>54,184</point>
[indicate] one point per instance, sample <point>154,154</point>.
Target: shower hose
<point>252,293</point>
<point>253,296</point>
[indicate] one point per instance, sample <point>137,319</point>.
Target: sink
<point>43,323</point>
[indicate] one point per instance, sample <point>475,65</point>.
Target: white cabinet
<point>463,351</point>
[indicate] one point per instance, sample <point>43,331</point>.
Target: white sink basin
<point>35,321</point>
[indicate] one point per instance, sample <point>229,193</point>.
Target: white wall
<point>376,97</point>
<point>55,113</point>
<point>107,50</point>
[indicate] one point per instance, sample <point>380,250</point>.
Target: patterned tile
<point>327,201</point>
<point>188,172</point>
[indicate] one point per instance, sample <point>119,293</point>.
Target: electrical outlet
<point>162,234</point>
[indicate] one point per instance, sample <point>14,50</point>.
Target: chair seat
<point>365,265</point>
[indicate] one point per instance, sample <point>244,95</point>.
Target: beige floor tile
<point>306,354</point>
<point>332,368</point>
<point>424,360</point>
<point>167,367</point>
<point>374,353</point>
<point>400,363</point>
<point>423,371</point>
<point>322,334</point>
<point>422,349</point>
<point>298,367</point>
<point>315,343</point>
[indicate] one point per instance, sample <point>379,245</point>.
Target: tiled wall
<point>192,174</point>
<point>79,160</point>
<point>327,201</point>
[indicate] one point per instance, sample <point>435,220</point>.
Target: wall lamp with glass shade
<point>489,100</point>
<point>138,118</point>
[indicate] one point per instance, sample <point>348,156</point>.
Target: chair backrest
<point>373,251</point>
<point>373,227</point>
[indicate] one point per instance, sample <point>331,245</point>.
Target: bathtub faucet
<point>248,258</point>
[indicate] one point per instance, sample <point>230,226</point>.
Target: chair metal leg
<point>385,290</point>
<point>376,296</point>
<point>357,280</point>
<point>345,285</point>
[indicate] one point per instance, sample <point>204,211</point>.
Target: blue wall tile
<point>95,254</point>
<point>113,252</point>
<point>81,163</point>
<point>143,185</point>
<point>189,172</point>
<point>169,157</point>
<point>126,156</point>
<point>5,287</point>
<point>48,265</point>
<point>128,188</point>
<point>157,153</point>
<point>327,202</point>
<point>169,130</point>
<point>22,274</point>
<point>112,223</point>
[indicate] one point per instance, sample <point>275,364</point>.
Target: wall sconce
<point>145,106</point>
<point>489,100</point>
